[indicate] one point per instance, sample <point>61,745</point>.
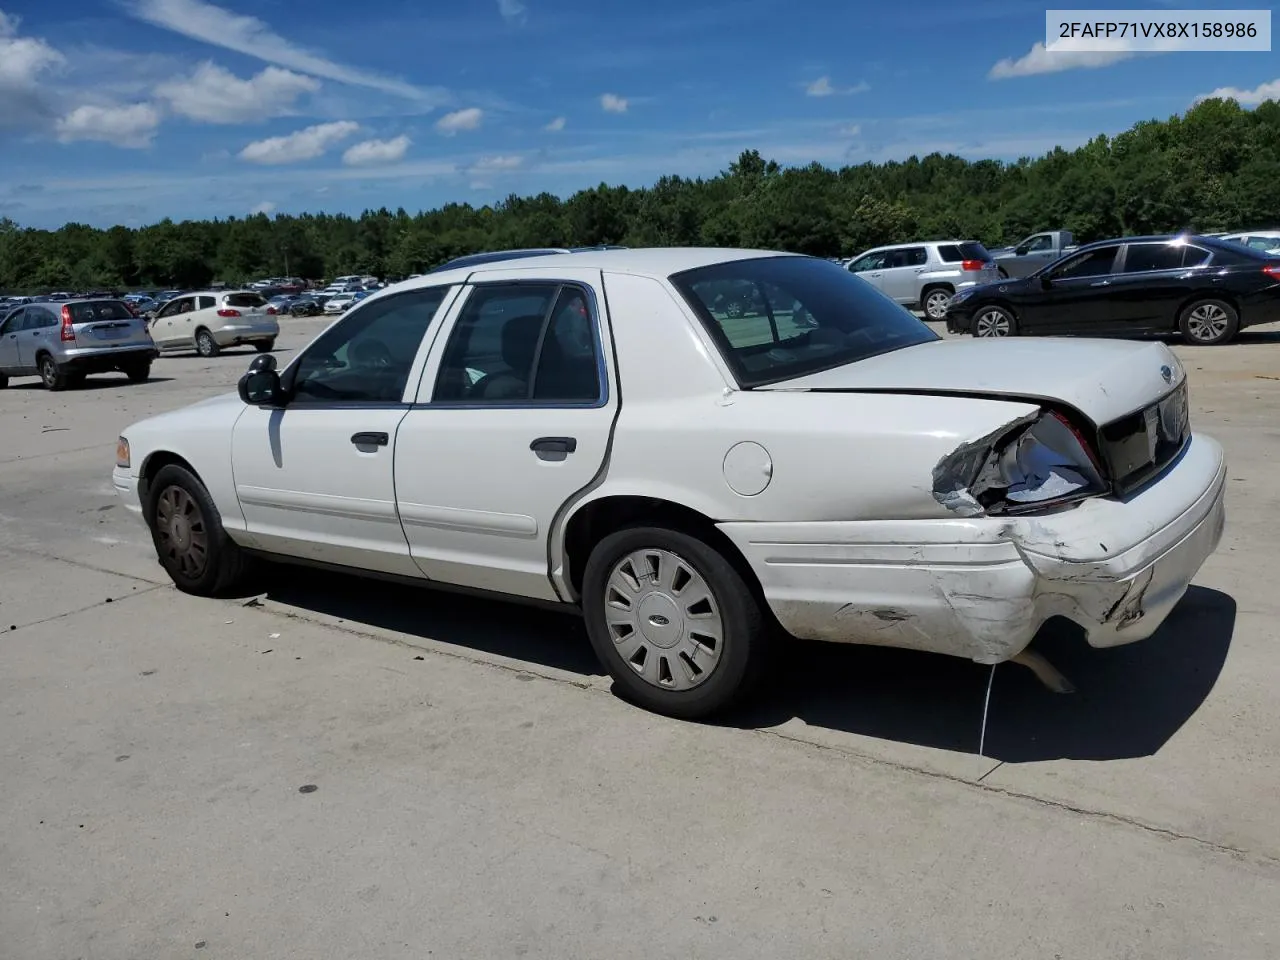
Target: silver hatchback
<point>924,276</point>
<point>62,343</point>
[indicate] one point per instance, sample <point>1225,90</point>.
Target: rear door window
<point>1147,257</point>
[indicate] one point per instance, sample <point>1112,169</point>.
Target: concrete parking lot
<point>330,768</point>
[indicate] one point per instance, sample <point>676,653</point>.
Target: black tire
<point>4,381</point>
<point>1004,274</point>
<point>745,634</point>
<point>265,346</point>
<point>1208,322</point>
<point>993,320</point>
<point>51,375</point>
<point>206,346</point>
<point>138,372</point>
<point>939,294</point>
<point>223,564</point>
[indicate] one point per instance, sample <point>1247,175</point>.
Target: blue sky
<point>127,111</point>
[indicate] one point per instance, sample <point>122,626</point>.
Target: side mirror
<point>260,386</point>
<point>1045,281</point>
<point>1021,251</point>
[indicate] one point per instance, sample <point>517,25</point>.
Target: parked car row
<point>1204,289</point>
<point>62,342</point>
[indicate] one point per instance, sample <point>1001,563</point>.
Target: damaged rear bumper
<point>981,587</point>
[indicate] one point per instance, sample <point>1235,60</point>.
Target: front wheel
<point>673,621</point>
<point>206,346</point>
<point>994,322</point>
<point>190,541</point>
<point>1208,323</point>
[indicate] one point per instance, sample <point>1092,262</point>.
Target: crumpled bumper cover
<point>982,587</point>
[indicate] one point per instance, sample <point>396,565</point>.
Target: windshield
<point>775,318</point>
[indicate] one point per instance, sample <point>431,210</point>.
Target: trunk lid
<point>107,323</point>
<point>1102,379</point>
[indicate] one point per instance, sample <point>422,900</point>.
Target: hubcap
<point>205,343</point>
<point>180,526</point>
<point>1207,322</point>
<point>936,305</point>
<point>992,323</point>
<point>663,619</point>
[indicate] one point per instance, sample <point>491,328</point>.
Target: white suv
<point>925,275</point>
<point>210,320</point>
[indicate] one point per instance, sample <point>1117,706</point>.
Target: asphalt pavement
<point>327,767</point>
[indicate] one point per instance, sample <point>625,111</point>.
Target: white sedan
<point>593,430</point>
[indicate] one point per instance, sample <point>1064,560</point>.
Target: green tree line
<point>1215,168</point>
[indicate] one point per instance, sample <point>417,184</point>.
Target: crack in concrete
<point>150,588</point>
<point>82,565</point>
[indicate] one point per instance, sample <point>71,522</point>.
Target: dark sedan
<point>1202,288</point>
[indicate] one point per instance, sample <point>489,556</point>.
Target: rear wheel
<point>138,372</point>
<point>673,621</point>
<point>994,321</point>
<point>4,381</point>
<point>190,541</point>
<point>265,346</point>
<point>1208,322</point>
<point>51,375</point>
<point>935,303</point>
<point>206,346</point>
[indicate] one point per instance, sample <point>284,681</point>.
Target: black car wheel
<point>673,621</point>
<point>4,381</point>
<point>189,538</point>
<point>265,346</point>
<point>993,321</point>
<point>1208,322</point>
<point>138,372</point>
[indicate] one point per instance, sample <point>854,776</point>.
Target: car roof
<point>656,262</point>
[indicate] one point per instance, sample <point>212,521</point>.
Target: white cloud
<point>1040,60</point>
<point>376,151</point>
<point>513,11</point>
<point>214,95</point>
<point>131,126</point>
<point>1246,98</point>
<point>822,88</point>
<point>612,103</point>
<point>266,206</point>
<point>852,130</point>
<point>252,37</point>
<point>497,164</point>
<point>556,125</point>
<point>23,59</point>
<point>305,144</point>
<point>467,119</point>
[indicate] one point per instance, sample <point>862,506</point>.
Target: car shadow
<point>104,382</point>
<point>521,632</point>
<point>1130,700</point>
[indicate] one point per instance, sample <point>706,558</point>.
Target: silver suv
<point>62,343</point>
<point>923,276</point>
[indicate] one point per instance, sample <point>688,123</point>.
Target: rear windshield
<point>244,300</point>
<point>955,252</point>
<point>775,318</point>
<point>99,310</point>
